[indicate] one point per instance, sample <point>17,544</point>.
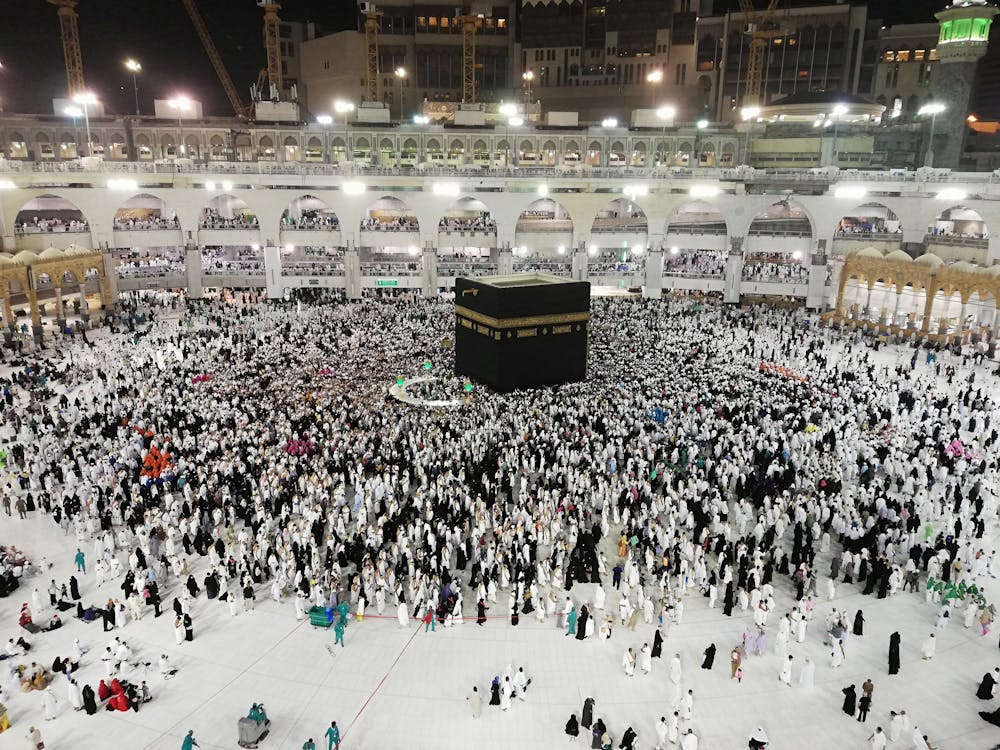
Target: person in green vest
<point>189,741</point>
<point>333,735</point>
<point>571,619</point>
<point>344,611</point>
<point>338,633</point>
<point>309,745</point>
<point>81,563</point>
<point>257,713</point>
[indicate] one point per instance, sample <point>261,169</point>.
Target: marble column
<point>653,288</point>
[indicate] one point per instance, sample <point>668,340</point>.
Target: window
<point>285,31</point>
<point>792,41</point>
<point>421,21</point>
<point>962,29</point>
<point>888,56</point>
<point>803,74</point>
<point>501,23</point>
<point>918,55</point>
<point>444,22</point>
<point>903,55</point>
<point>432,22</point>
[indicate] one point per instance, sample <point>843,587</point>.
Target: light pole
<point>654,78</point>
<point>134,68</point>
<point>664,114</point>
<point>86,98</point>
<point>528,76</point>
<point>401,75</point>
<point>933,109</point>
<point>342,108</point>
<point>838,110</point>
<point>74,112</point>
<point>181,104</point>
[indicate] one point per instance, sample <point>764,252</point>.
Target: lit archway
<point>310,213</point>
<point>389,214</point>
<point>227,212</point>
<point>145,211</point>
<point>50,214</point>
<point>870,221</point>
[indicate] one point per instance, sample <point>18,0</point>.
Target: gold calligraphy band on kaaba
<point>534,320</point>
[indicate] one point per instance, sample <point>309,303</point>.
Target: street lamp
<point>134,68</point>
<point>86,98</point>
<point>401,74</point>
<point>342,108</point>
<point>609,122</point>
<point>74,112</point>
<point>933,109</point>
<point>838,110</point>
<point>181,104</point>
<point>324,120</point>
<point>528,76</point>
<point>654,77</point>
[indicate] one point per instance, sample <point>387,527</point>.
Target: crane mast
<point>71,45</point>
<point>238,106</point>
<point>761,29</point>
<point>272,43</point>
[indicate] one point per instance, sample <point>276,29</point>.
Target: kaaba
<point>521,331</point>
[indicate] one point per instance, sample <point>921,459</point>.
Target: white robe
<point>675,670</point>
<point>403,615</point>
<point>628,663</point>
<point>645,660</point>
<point>786,673</point>
<point>599,597</point>
<point>75,695</point>
<point>807,678</point>
<point>929,648</point>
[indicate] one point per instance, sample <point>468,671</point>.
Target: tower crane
<point>468,21</point>
<point>71,45</point>
<point>241,109</point>
<point>373,20</point>
<point>761,28</point>
<point>272,43</point>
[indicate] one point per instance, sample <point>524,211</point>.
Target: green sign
<point>386,282</point>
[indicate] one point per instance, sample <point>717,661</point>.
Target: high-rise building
<point>423,41</point>
<point>608,57</point>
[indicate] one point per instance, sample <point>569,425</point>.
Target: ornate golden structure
<point>23,276</point>
<point>926,275</point>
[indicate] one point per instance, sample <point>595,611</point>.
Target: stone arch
<point>50,213</point>
<point>387,213</point>
<point>544,215</point>
<point>961,221</point>
<point>621,215</point>
<point>227,211</point>
<point>868,219</point>
<point>468,213</point>
<point>291,140</point>
<point>697,217</point>
<point>785,213</point>
<point>145,211</point>
<point>309,212</point>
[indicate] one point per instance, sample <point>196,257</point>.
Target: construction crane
<point>241,109</point>
<point>71,45</point>
<point>761,28</point>
<point>373,20</point>
<point>468,21</point>
<point>272,42</point>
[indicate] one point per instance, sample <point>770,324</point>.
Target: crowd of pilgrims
<point>292,473</point>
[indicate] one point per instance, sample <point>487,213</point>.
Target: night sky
<point>160,35</point>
